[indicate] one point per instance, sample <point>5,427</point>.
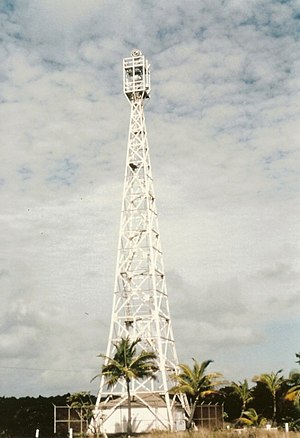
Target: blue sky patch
<point>25,172</point>
<point>64,172</point>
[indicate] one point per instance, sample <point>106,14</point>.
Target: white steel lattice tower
<point>140,301</point>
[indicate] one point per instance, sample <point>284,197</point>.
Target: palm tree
<point>128,365</point>
<point>273,383</point>
<point>195,384</point>
<point>244,393</point>
<point>293,384</point>
<point>251,418</point>
<point>84,405</point>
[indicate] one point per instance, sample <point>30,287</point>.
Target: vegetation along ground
<point>270,400</point>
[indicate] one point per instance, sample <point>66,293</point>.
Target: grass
<point>245,433</point>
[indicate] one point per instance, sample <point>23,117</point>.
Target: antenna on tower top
<point>136,52</point>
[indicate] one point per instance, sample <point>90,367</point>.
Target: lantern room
<point>136,76</point>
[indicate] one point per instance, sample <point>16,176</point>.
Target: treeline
<point>255,407</point>
<point>20,417</point>
<point>269,398</point>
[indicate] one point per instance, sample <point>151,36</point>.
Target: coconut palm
<point>251,418</point>
<point>273,382</point>
<point>293,384</point>
<point>195,384</point>
<point>244,393</point>
<point>128,365</point>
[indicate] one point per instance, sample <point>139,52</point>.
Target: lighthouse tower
<point>140,300</point>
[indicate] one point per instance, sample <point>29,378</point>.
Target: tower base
<point>148,412</point>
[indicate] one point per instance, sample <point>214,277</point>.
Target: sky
<point>223,129</point>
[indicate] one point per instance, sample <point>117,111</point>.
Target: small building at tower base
<point>148,412</point>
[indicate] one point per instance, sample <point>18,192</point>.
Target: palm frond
<point>127,363</point>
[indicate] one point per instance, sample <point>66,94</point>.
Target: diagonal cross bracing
<point>140,299</point>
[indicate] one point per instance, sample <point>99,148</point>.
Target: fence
<point>209,416</point>
<point>66,418</point>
